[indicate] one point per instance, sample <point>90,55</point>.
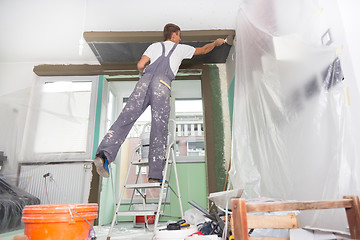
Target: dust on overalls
<point>153,88</point>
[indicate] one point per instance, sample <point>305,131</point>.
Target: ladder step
<point>145,185</point>
<point>145,163</point>
<point>140,163</point>
<point>138,213</point>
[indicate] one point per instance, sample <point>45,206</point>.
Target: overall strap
<point>163,49</point>
<point>172,50</point>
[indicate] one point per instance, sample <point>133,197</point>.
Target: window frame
<point>28,153</point>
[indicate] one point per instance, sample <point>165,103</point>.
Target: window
<point>189,128</point>
<point>61,120</point>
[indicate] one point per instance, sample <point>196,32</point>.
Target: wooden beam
<point>111,69</point>
<point>290,206</point>
<point>156,36</point>
<point>239,216</point>
<point>269,238</point>
<point>273,221</point>
<point>353,216</point>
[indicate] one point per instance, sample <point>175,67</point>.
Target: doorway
<point>187,111</point>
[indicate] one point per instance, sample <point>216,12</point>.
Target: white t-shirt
<point>181,52</point>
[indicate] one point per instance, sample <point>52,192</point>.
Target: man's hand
<point>219,42</point>
<point>209,47</point>
<point>142,63</point>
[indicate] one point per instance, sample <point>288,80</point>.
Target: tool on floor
<point>215,226</point>
<point>140,188</point>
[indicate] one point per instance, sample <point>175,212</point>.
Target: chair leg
<point>239,216</point>
<point>353,217</point>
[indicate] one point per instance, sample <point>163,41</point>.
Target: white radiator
<point>63,183</point>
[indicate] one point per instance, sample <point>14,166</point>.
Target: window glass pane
<point>189,127</point>
<point>63,117</point>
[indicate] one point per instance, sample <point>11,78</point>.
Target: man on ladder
<point>153,88</point>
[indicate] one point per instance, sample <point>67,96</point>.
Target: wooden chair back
<point>241,221</point>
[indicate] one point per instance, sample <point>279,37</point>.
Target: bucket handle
<point>91,236</point>
<point>72,216</point>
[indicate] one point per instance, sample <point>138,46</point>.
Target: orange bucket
<point>59,221</point>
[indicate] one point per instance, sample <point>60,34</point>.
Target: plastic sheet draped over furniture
<point>12,202</point>
<point>293,131</point>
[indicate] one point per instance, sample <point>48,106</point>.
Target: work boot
<point>155,180</point>
<point>102,167</point>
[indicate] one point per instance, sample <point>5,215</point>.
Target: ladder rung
<point>138,213</point>
<point>141,163</point>
<point>145,163</point>
<point>144,185</point>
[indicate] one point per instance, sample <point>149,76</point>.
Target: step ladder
<point>164,186</point>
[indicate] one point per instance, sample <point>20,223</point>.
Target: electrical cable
<point>92,228</point>
<point>46,191</point>
<point>92,236</point>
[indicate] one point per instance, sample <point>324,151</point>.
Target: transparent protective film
<point>293,133</point>
<point>46,144</point>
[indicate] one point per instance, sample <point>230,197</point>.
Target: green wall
<point>231,91</point>
<point>192,181</point>
<point>98,114</point>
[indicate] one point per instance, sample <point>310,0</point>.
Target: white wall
<point>48,32</point>
<point>15,87</point>
<point>43,31</point>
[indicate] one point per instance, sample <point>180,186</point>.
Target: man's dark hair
<point>169,29</point>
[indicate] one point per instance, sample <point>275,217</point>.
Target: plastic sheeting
<point>40,128</point>
<point>12,201</point>
<point>293,134</point>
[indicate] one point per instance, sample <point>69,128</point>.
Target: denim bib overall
<point>153,88</point>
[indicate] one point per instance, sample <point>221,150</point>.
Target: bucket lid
<point>60,208</point>
<point>59,213</point>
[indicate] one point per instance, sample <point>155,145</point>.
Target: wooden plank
<point>273,221</point>
<point>269,238</point>
<point>291,206</point>
<point>156,36</point>
<point>353,216</point>
<point>110,69</point>
<point>239,216</point>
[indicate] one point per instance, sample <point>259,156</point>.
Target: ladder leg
<point>162,188</point>
<point>115,214</point>
<point>177,183</point>
<point>167,191</point>
<point>113,189</point>
<point>119,202</point>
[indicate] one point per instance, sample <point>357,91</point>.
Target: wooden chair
<point>241,221</point>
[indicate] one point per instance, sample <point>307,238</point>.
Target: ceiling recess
<point>128,47</point>
<point>118,52</point>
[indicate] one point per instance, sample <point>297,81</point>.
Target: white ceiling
<point>48,31</point>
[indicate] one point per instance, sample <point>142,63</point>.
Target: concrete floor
<point>123,230</point>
